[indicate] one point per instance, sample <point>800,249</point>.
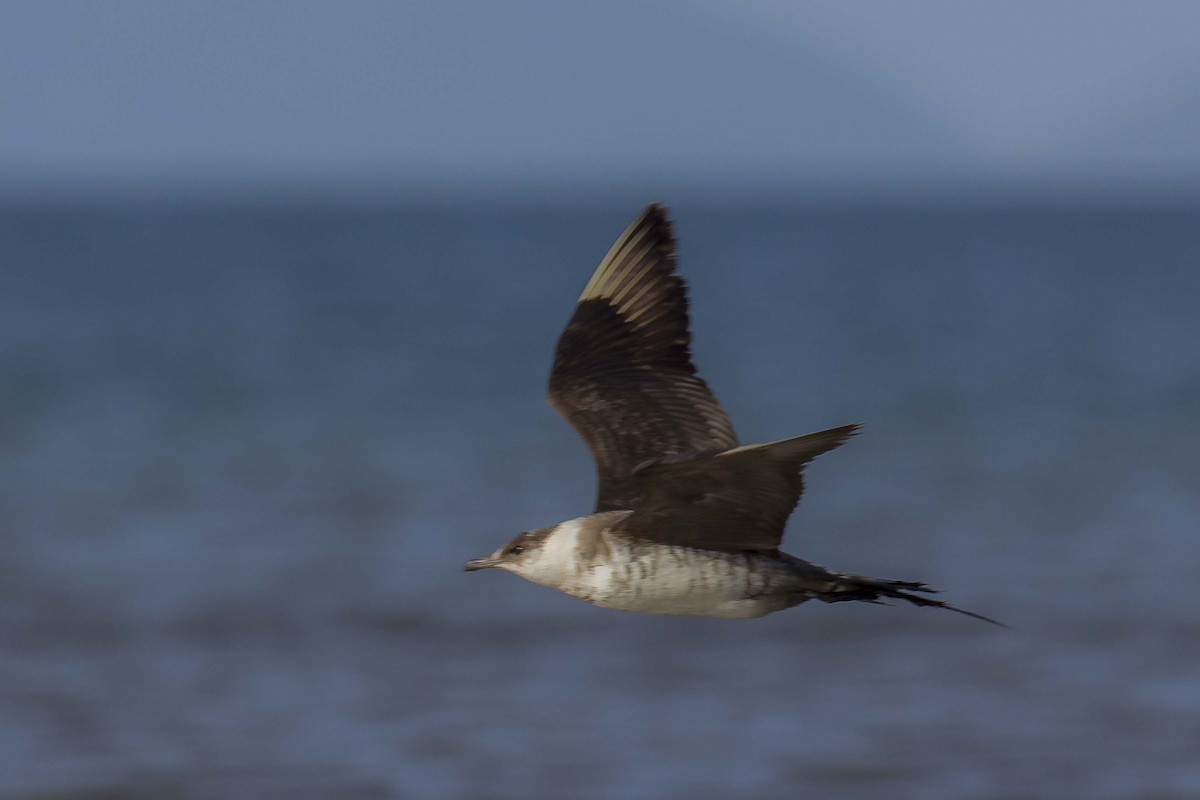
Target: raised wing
<point>734,500</point>
<point>623,375</point>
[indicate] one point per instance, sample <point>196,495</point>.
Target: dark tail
<point>844,587</point>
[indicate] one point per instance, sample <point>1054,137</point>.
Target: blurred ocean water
<point>244,451</point>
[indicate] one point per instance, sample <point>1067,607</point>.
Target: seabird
<point>686,520</point>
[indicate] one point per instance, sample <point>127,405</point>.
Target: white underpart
<point>660,579</point>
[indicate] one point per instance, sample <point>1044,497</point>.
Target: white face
<point>554,563</point>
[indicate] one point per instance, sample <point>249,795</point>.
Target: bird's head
<point>524,555</point>
<point>556,556</point>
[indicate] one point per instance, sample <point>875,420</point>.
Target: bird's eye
<point>516,550</point>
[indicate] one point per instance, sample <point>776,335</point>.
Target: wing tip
<point>840,435</point>
<point>806,447</point>
<point>848,431</point>
<point>657,210</point>
<point>654,225</point>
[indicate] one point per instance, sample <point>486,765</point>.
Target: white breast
<point>615,573</point>
<point>679,580</point>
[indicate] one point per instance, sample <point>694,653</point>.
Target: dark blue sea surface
<point>246,448</point>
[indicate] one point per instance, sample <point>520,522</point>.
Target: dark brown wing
<point>739,499</point>
<point>623,375</point>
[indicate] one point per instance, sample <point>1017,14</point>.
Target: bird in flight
<point>687,521</point>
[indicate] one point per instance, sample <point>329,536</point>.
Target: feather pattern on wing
<point>732,500</point>
<point>623,375</point>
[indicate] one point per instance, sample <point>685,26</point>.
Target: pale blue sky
<point>827,93</point>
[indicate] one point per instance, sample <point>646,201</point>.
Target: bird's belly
<point>678,581</point>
